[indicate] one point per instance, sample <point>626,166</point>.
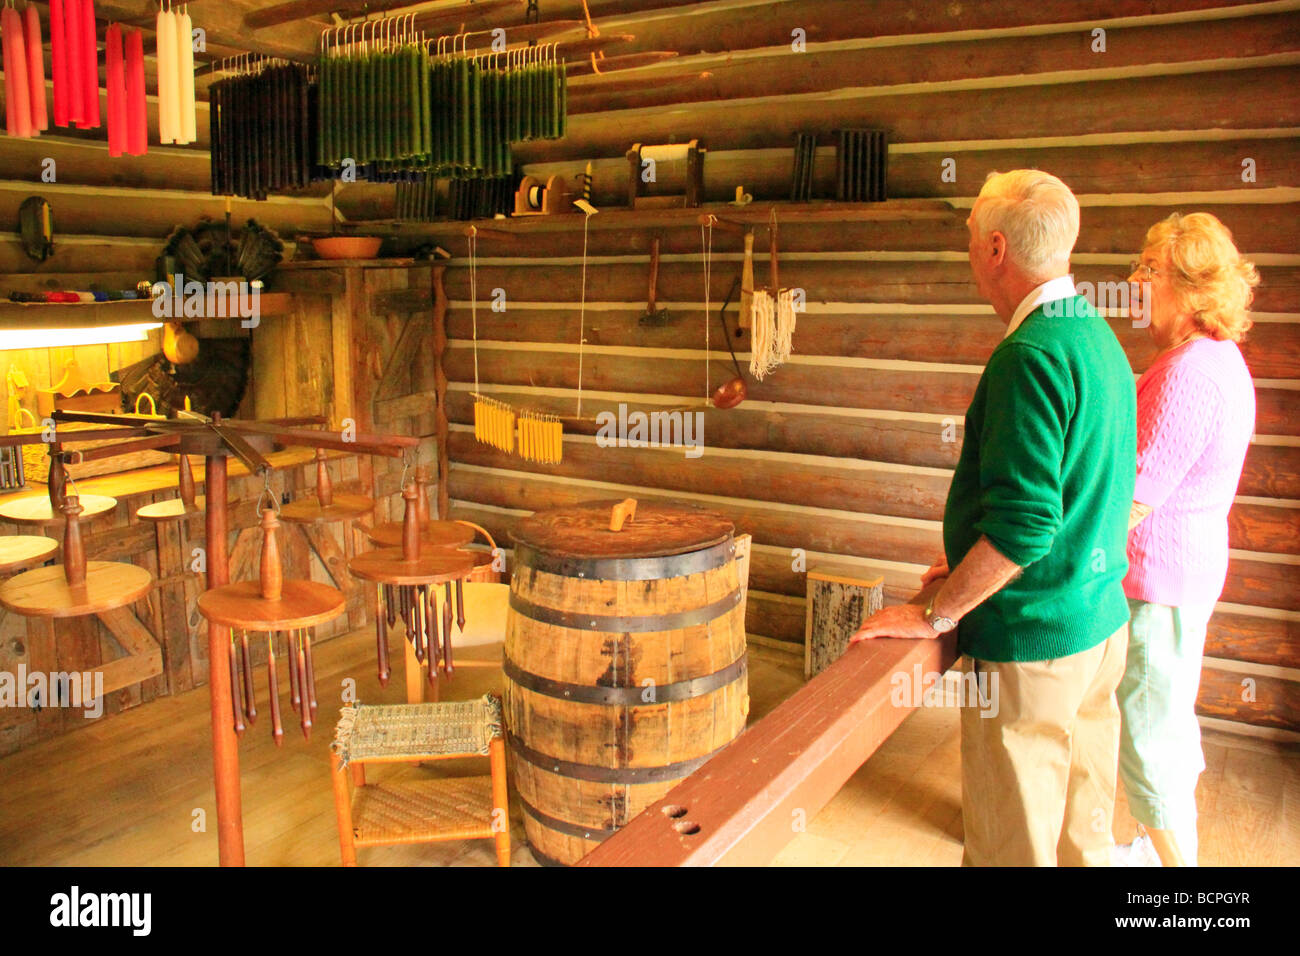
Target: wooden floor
<point>137,790</point>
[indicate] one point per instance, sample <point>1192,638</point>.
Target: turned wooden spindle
<point>74,552</point>
<point>411,523</point>
<point>272,572</point>
<point>185,483</point>
<point>422,482</point>
<point>324,487</point>
<point>57,480</point>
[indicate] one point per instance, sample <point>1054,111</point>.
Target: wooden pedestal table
<point>79,588</point>
<point>37,509</point>
<point>20,551</point>
<point>270,605</point>
<point>406,581</point>
<point>433,534</point>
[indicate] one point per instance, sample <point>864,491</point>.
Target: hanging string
<point>707,247</point>
<point>582,309</point>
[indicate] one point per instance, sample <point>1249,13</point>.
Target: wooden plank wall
<point>847,451</point>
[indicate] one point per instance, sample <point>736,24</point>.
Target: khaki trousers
<point>1039,756</point>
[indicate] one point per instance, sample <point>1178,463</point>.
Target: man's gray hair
<point>1037,213</point>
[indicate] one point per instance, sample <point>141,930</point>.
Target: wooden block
<point>839,598</point>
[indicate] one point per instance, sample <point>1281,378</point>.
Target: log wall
<point>847,451</point>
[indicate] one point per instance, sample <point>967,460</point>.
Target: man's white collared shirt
<point>1062,287</point>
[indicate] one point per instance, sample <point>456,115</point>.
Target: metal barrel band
<point>626,569</point>
<point>545,860</point>
<point>631,624</point>
<point>598,834</point>
<point>592,774</point>
<point>634,696</point>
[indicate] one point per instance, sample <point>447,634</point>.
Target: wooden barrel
<point>625,665</point>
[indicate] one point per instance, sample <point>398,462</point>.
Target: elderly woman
<point>1196,413</point>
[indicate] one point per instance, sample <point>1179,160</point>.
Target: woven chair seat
<point>422,811</point>
<point>392,732</point>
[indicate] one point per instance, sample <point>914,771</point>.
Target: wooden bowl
<point>347,247</point>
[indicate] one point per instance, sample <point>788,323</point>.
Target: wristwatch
<point>941,625</point>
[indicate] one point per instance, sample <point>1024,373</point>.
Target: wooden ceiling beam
<point>480,15</point>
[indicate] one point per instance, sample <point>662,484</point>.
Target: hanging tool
<point>654,316</point>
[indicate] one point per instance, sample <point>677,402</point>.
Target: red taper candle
<point>36,70</point>
<point>137,128</point>
<point>89,65</point>
<point>115,66</point>
<point>18,121</point>
<point>72,39</point>
<point>59,55</point>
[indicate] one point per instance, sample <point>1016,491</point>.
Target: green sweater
<point>1046,473</point>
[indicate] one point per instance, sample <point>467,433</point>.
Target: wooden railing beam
<point>747,800</point>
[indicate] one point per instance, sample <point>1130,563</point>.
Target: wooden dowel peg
<point>446,627</point>
<point>411,523</point>
<point>250,693</point>
<point>324,486</point>
<point>291,657</point>
<point>422,482</point>
<point>74,552</point>
<point>235,693</point>
<point>310,673</point>
<point>430,609</point>
<point>273,682</point>
<point>272,572</point>
<point>185,482</point>
<point>304,711</point>
<point>381,636</point>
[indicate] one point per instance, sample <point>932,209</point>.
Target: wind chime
<point>536,436</point>
<point>433,534</point>
<point>272,605</point>
<point>406,580</point>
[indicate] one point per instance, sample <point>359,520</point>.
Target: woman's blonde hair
<point>1211,279</point>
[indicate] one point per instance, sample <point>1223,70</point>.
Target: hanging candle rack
<point>270,605</point>
<point>406,580</point>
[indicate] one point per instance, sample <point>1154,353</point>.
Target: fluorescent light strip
<point>11,339</point>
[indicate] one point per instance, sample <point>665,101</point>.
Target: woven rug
<point>368,731</point>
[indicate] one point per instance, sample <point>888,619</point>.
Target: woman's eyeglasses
<point>1141,267</point>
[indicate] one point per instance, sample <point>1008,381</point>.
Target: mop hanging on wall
<point>773,318</point>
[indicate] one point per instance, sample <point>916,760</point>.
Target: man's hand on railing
<point>901,620</point>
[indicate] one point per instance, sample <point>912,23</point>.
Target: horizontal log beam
<point>1195,101</point>
<point>824,21</point>
<point>779,71</point>
<point>1271,349</point>
<point>1256,699</point>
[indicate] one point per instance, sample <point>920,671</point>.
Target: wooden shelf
<point>398,263</point>
<point>93,315</point>
<point>620,217</point>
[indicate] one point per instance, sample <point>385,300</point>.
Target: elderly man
<point>1035,532</point>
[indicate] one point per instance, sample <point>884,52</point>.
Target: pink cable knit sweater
<point>1195,415</point>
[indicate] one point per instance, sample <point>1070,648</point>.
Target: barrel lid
<point>582,531</point>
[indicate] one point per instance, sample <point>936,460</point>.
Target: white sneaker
<point>1141,852</point>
